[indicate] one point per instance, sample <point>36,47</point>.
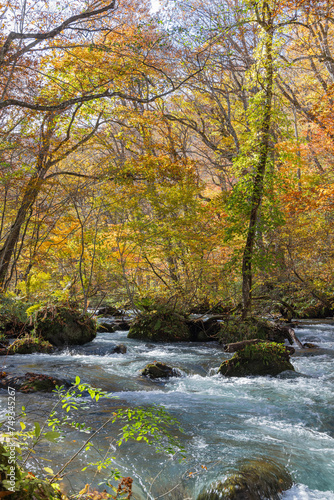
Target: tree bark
<point>32,189</point>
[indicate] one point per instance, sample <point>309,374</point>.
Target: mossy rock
<point>65,326</point>
<point>31,382</point>
<point>160,325</point>
<point>159,370</point>
<point>256,480</point>
<point>263,358</point>
<point>29,345</point>
<point>236,330</point>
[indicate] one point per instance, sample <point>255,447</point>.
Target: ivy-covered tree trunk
<point>262,140</point>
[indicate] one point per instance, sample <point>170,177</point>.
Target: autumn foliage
<point>184,155</point>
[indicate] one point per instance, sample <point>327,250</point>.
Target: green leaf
<point>77,380</point>
<point>52,435</point>
<point>37,429</point>
<point>157,325</point>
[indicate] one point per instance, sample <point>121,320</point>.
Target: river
<point>289,419</point>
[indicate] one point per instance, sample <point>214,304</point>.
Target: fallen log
<point>238,346</point>
<point>295,338</point>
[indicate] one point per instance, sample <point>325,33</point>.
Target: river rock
<point>120,349</point>
<point>237,330</point>
<point>256,480</point>
<point>160,325</point>
<point>63,326</point>
<point>27,345</point>
<point>30,382</point>
<point>265,358</point>
<point>309,345</point>
<point>159,370</point>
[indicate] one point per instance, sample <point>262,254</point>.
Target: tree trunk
<point>31,192</point>
<point>260,168</point>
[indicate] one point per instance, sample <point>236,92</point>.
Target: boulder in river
<point>164,324</point>
<point>65,326</point>
<point>120,349</point>
<point>263,358</point>
<point>28,344</point>
<point>159,370</point>
<point>160,325</point>
<point>256,480</point>
<point>30,382</point>
<point>237,330</point>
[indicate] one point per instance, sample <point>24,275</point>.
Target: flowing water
<point>289,418</point>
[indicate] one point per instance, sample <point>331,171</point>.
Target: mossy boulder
<point>28,345</point>
<point>256,480</point>
<point>263,358</point>
<point>236,330</point>
<point>31,382</point>
<point>160,325</point>
<point>164,324</point>
<point>25,485</point>
<point>159,370</point>
<point>65,326</point>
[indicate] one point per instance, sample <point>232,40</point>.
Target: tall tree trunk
<point>263,138</point>
<point>31,192</point>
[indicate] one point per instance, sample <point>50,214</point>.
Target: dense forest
<point>169,160</point>
<point>184,154</point>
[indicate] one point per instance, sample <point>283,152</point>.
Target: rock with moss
<point>16,484</point>
<point>263,358</point>
<point>256,480</point>
<point>31,382</point>
<point>160,325</point>
<point>236,330</point>
<point>159,370</point>
<point>63,326</point>
<point>28,345</point>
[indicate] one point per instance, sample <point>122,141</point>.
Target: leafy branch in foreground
<point>152,425</point>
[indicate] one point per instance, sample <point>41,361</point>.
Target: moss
<point>65,326</point>
<point>28,345</point>
<point>235,329</point>
<point>30,382</point>
<point>256,479</point>
<point>264,358</point>
<point>161,325</point>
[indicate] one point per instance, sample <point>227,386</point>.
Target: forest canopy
<point>183,153</point>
